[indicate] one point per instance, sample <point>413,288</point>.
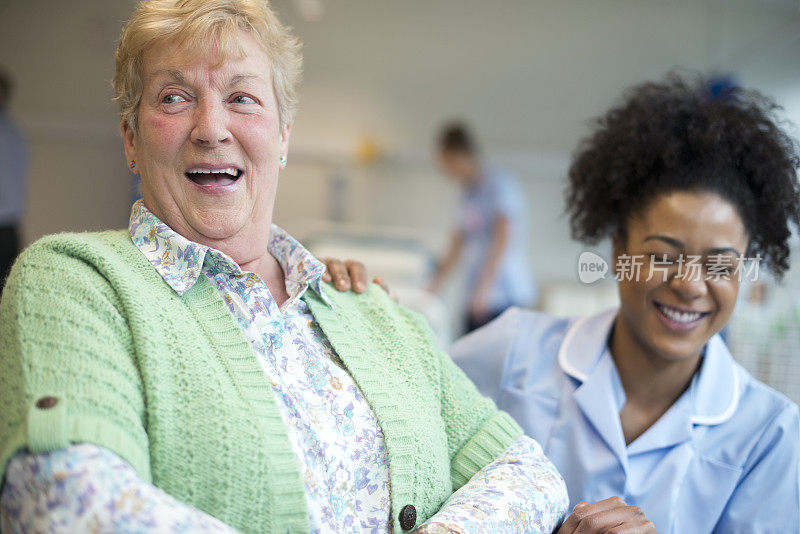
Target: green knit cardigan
<point>96,347</point>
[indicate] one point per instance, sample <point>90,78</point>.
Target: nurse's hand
<point>608,516</point>
<point>346,275</point>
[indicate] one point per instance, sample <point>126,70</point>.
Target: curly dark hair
<point>677,135</point>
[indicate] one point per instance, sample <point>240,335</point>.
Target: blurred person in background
<point>490,241</point>
<point>13,169</point>
<point>193,374</point>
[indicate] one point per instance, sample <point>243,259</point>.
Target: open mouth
<point>680,317</point>
<point>214,177</point>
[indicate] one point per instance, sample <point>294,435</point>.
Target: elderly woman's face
<point>209,142</point>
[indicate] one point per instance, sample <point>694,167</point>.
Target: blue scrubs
<point>724,458</point>
<point>497,194</point>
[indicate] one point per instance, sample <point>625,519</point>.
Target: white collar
<point>714,388</point>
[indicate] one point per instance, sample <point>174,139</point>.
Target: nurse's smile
<point>680,319</point>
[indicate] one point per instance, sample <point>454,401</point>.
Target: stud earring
<point>133,164</point>
<point>283,161</point>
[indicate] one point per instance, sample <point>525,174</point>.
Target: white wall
<point>526,74</point>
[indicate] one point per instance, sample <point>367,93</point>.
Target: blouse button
<point>408,517</point>
<point>46,402</point>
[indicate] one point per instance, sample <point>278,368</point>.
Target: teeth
<point>679,316</point>
<point>230,170</point>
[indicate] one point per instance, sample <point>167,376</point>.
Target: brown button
<point>46,402</point>
<point>408,517</point>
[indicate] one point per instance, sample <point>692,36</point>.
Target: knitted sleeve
<point>477,432</point>
<point>67,371</point>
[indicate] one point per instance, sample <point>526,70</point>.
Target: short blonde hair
<point>211,27</point>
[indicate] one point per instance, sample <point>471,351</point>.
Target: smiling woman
<point>194,374</point>
<point>643,409</point>
<point>666,318</point>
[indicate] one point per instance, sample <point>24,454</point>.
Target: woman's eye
<point>724,266</point>
<point>243,99</point>
<point>172,99</point>
<point>663,259</point>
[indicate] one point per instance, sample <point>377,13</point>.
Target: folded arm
<point>521,491</point>
<point>87,488</point>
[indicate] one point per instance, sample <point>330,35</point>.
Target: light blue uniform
<point>497,194</point>
<point>724,458</point>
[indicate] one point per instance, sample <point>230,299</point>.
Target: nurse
<point>490,242</point>
<point>642,409</point>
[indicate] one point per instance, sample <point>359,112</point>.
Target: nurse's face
<point>673,315</point>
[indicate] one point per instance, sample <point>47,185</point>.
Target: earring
<point>283,161</point>
<point>133,164</point>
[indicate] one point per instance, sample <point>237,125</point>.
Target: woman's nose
<point>689,284</point>
<point>211,124</point>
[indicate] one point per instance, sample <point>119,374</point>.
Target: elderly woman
<point>193,373</point>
